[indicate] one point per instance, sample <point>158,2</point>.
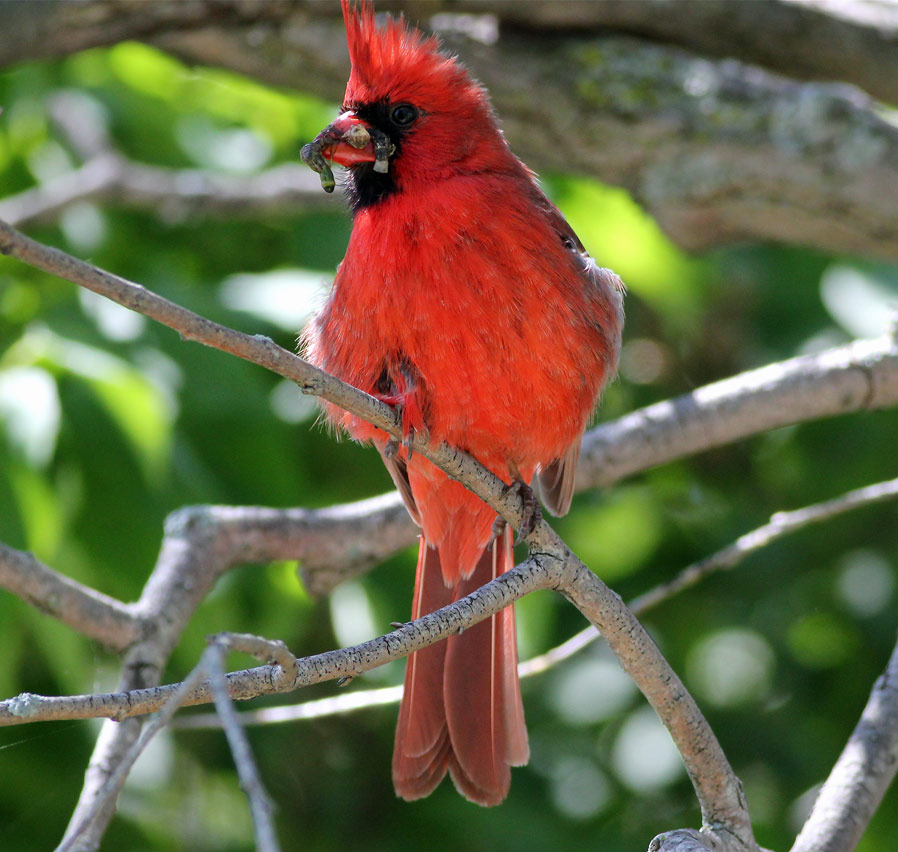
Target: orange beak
<point>347,141</point>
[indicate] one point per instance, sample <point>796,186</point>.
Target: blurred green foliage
<point>108,423</point>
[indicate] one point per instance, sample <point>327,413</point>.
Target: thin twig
<point>118,775</point>
<point>861,776</point>
<point>717,789</point>
<point>780,525</point>
<point>93,614</point>
<point>250,780</point>
<point>265,353</point>
<point>336,705</point>
<point>107,175</point>
<point>170,193</point>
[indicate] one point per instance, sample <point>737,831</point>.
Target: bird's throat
<point>366,187</point>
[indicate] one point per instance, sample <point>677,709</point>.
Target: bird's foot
<point>409,418</point>
<point>391,449</point>
<point>498,529</point>
<point>532,512</point>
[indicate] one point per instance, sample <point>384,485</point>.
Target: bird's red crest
<point>398,62</point>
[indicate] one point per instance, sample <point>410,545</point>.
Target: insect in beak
<point>347,142</point>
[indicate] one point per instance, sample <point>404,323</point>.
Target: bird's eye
<point>403,115</point>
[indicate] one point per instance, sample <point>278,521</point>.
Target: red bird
<point>466,300</point>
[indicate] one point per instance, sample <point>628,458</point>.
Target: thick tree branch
<point>859,376</point>
<point>715,150</point>
<point>852,40</point>
<point>331,544</point>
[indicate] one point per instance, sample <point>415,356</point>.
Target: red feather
<point>465,298</point>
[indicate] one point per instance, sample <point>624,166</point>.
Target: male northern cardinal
<point>466,300</point>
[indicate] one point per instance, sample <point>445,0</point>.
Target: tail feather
<point>420,754</point>
<point>462,708</point>
<point>517,745</point>
<point>417,778</point>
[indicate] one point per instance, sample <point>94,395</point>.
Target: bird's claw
<point>408,441</point>
<point>391,448</point>
<point>498,528</point>
<point>532,514</point>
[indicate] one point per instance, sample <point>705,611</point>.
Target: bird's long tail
<point>462,709</point>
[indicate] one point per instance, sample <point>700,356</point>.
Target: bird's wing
<point>555,481</point>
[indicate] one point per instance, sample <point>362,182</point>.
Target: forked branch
<point>869,367</point>
<point>551,563</point>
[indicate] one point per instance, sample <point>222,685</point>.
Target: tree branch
<point>781,524</point>
<point>172,194</point>
<point>860,376</point>
<point>331,544</point>
<point>91,613</point>
<point>171,599</point>
<point>853,41</point>
<point>716,151</point>
<point>861,776</point>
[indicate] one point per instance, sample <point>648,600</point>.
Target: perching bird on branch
<point>466,301</point>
